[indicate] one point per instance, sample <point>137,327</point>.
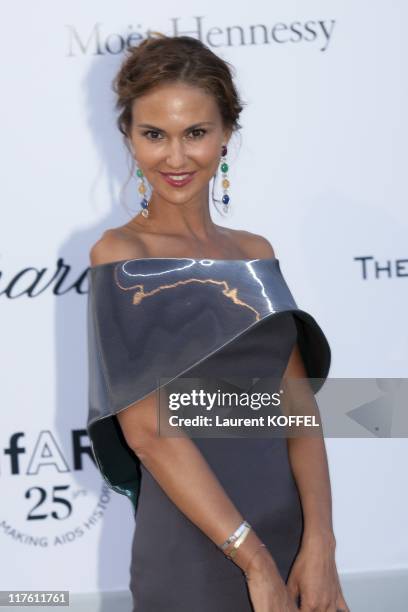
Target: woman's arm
<point>185,476</point>
<point>313,576</point>
<point>308,459</point>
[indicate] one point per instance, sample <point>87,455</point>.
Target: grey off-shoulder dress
<point>158,319</point>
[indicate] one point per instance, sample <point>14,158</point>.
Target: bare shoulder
<point>254,245</point>
<point>113,246</point>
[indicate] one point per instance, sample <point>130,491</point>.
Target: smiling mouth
<point>177,178</point>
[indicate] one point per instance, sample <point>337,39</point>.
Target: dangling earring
<point>225,181</point>
<point>142,190</point>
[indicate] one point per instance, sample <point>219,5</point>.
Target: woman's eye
<point>151,132</point>
<point>199,132</point>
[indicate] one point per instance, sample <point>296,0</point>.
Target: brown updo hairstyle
<point>163,59</point>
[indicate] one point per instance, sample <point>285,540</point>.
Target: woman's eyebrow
<point>191,127</point>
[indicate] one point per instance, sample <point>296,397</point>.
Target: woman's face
<point>177,129</point>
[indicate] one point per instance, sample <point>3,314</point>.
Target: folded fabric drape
<point>157,318</point>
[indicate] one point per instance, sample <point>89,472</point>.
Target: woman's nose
<point>176,155</point>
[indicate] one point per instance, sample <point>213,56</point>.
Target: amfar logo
<point>97,42</point>
<point>48,505</point>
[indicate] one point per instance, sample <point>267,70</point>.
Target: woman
<point>223,524</point>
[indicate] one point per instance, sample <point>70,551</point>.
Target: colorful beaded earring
<point>142,190</point>
<point>225,181</point>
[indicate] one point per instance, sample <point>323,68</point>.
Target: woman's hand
<point>266,588</point>
<point>314,577</point>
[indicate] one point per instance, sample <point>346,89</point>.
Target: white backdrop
<point>320,170</point>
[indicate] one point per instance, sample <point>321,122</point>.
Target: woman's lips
<point>178,179</point>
